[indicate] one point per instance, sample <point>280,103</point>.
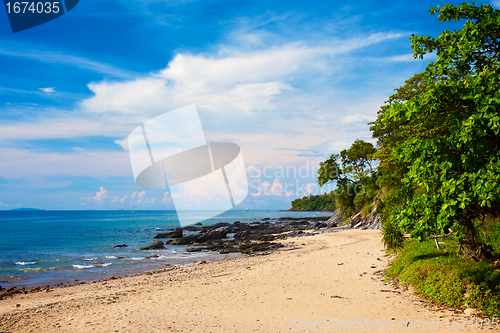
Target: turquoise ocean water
<point>49,247</point>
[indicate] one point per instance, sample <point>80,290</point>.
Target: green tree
<point>440,140</point>
<point>353,164</point>
<point>352,171</point>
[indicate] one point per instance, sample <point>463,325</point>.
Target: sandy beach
<point>327,281</point>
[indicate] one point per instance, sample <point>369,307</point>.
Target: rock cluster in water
<point>255,237</point>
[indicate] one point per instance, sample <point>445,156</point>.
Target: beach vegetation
<point>439,134</point>
<point>445,278</point>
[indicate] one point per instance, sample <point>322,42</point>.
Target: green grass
<point>444,278</point>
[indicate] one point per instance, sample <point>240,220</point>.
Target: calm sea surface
<point>48,247</point>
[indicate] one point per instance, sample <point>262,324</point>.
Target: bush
<point>447,279</point>
<point>392,237</point>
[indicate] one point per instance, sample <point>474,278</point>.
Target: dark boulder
<point>177,233</point>
<point>120,245</point>
<point>193,228</point>
<point>253,235</point>
<point>158,245</point>
<point>319,225</point>
<point>186,240</point>
<point>213,235</point>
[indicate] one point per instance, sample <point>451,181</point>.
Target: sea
<point>39,248</point>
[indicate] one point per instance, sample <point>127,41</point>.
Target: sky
<point>291,82</point>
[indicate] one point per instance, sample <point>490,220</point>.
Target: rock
<point>471,312</point>
<point>248,238</point>
<point>253,235</point>
<point>186,240</point>
<point>177,233</point>
<point>355,220</point>
<point>213,235</point>
<point>335,220</point>
<point>319,225</point>
<point>192,228</point>
<point>158,245</point>
<point>199,223</point>
<point>121,245</point>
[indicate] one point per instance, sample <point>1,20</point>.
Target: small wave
<point>26,263</point>
<point>163,257</point>
<point>89,259</point>
<point>99,264</point>
<point>39,269</point>
<point>137,258</point>
<point>82,266</point>
<point>110,257</point>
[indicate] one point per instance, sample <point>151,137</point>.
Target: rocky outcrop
<point>177,233</point>
<point>372,221</point>
<point>357,221</point>
<point>258,236</point>
<point>120,245</point>
<point>335,220</point>
<point>158,245</point>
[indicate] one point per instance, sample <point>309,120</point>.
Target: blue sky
<point>291,82</point>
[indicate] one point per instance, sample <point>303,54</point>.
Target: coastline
<point>337,275</point>
<point>212,242</point>
<point>88,245</point>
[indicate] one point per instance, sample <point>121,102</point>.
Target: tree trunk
<point>471,246</point>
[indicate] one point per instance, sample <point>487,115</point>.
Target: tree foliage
<point>353,174</point>
<point>439,134</point>
<point>325,201</point>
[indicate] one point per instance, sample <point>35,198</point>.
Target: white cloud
<point>235,83</point>
<point>27,164</point>
<point>48,90</point>
<point>101,195</point>
<point>312,189</point>
<point>277,188</point>
<point>356,118</point>
<point>60,58</point>
<point>105,197</point>
<point>167,198</point>
<point>64,127</point>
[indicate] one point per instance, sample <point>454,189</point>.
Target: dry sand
<point>332,275</point>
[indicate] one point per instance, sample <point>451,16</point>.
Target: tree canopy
<point>439,134</point>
